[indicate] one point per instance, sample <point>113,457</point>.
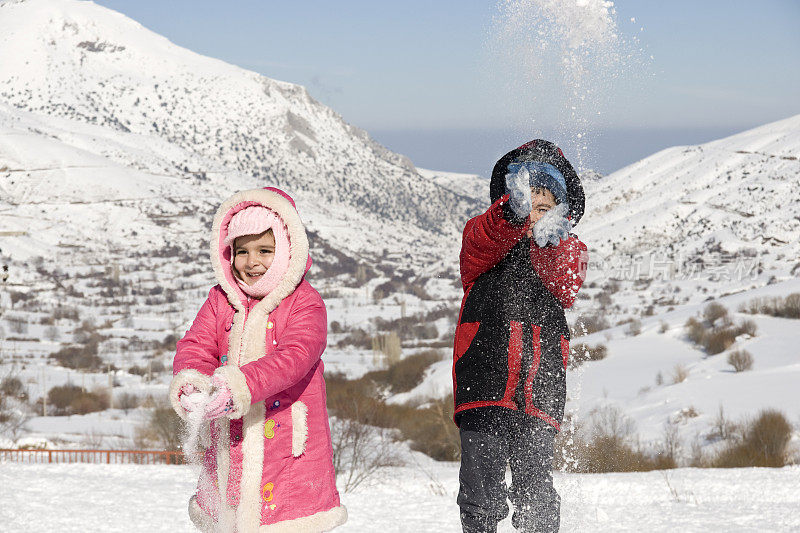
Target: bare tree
<point>14,409</point>
<point>360,451</point>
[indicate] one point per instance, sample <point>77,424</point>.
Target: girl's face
<point>253,255</point>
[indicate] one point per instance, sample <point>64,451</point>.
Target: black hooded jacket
<point>512,341</point>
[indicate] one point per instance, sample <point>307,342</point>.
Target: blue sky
<point>422,77</point>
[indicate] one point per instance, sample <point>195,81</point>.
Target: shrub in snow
<point>604,299</point>
<point>71,399</point>
<point>51,333</point>
<point>609,444</point>
<point>714,311</point>
<point>764,443</point>
<point>587,324</point>
<point>402,284</point>
<point>126,401</point>
<point>788,307</point>
<point>717,339</point>
<point>634,328</point>
<point>81,357</point>
<point>357,338</point>
<point>722,429</point>
<point>162,430</point>
<point>407,373</point>
<point>612,286</point>
<point>137,370</point>
<point>679,374</point>
<point>740,360</point>
<point>748,327</point>
<point>580,353</point>
<point>66,313</point>
<point>695,330</point>
<point>12,387</point>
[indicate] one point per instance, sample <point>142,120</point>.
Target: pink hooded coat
<point>269,465</point>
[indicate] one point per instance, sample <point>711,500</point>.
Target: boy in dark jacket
<point>520,268</point>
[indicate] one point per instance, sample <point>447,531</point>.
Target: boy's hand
<point>519,190</point>
<point>553,227</point>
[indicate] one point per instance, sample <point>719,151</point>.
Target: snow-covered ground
<point>131,498</point>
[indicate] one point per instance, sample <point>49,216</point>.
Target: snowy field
<point>132,498</point>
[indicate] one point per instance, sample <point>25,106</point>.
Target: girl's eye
<point>241,252</point>
<point>266,251</point>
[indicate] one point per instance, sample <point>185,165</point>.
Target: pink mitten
<point>183,396</point>
<point>221,401</point>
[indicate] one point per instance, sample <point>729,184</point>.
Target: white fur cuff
<point>188,376</point>
<point>239,389</point>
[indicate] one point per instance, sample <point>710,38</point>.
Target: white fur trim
<point>248,514</point>
<point>199,518</point>
<point>188,376</point>
<point>299,428</point>
<point>239,389</point>
<point>315,523</point>
<point>223,456</point>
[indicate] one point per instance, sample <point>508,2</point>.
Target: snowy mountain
<point>85,88</point>
<point>692,222</point>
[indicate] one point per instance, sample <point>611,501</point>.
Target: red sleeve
<point>299,348</point>
<point>562,268</point>
<point>198,348</point>
<point>487,239</point>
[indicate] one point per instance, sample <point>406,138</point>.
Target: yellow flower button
<point>270,325</point>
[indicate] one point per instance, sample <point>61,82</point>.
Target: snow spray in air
<point>557,63</point>
<point>195,436</point>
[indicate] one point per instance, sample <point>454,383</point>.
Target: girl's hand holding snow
<point>553,227</point>
<point>189,396</point>
<point>221,401</point>
<point>519,190</point>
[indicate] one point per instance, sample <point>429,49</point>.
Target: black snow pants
<point>492,437</point>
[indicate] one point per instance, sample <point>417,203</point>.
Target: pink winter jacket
<point>269,464</point>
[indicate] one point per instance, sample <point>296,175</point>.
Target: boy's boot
<point>477,523</point>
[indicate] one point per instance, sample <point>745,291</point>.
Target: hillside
<point>200,129</point>
<point>116,147</point>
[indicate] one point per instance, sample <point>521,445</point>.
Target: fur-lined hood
<point>281,204</point>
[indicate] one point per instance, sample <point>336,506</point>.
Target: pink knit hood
<point>276,211</point>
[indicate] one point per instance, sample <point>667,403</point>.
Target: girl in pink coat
<point>255,347</point>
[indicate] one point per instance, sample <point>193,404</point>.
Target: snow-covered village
<point>227,305</point>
